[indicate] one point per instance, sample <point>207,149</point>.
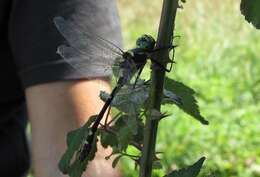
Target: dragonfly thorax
<point>137,55</point>
<point>128,54</point>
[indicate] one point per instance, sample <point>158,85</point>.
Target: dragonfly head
<point>146,42</point>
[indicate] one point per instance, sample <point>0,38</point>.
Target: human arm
<point>56,108</point>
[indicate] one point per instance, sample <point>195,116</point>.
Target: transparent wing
<point>85,41</point>
<point>85,65</point>
<point>86,50</point>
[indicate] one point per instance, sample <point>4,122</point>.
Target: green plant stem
<point>157,83</point>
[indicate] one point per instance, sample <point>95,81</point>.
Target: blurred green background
<point>219,57</point>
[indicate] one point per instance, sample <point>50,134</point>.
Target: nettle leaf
<point>124,136</point>
<point>251,10</point>
<point>125,129</point>
<point>131,122</point>
<point>108,139</point>
<point>116,160</point>
<point>170,97</point>
<point>74,142</point>
<point>139,136</point>
<point>128,100</point>
<point>78,167</point>
<point>186,94</point>
<point>191,171</point>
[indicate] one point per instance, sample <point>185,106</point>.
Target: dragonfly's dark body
<point>88,144</point>
<point>95,49</point>
<point>139,57</point>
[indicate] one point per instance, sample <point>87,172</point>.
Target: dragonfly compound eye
<point>145,42</point>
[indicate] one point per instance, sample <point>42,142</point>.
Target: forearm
<point>56,108</point>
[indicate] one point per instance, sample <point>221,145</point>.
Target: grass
<point>218,57</point>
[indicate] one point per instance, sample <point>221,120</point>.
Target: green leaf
<point>116,160</point>
<point>74,139</point>
<point>189,103</point>
<point>124,136</point>
<point>74,142</point>
<point>139,136</point>
<point>130,100</point>
<point>124,132</point>
<point>108,139</point>
<point>191,171</point>
<point>251,10</point>
<point>78,167</point>
<point>131,122</point>
<point>170,97</point>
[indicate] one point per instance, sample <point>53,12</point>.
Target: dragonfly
<point>85,48</point>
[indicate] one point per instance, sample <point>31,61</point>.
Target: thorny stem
<point>157,82</point>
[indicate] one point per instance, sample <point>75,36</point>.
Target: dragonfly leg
<point>164,48</point>
<point>114,119</point>
<point>108,112</point>
<point>172,60</point>
<point>160,65</point>
<point>138,75</point>
<point>170,47</point>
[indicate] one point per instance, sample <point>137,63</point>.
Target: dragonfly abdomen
<point>87,146</point>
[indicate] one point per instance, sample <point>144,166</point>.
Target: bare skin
<point>56,108</point>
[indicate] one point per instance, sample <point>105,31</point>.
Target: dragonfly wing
<point>89,49</point>
<point>86,42</point>
<point>84,64</point>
